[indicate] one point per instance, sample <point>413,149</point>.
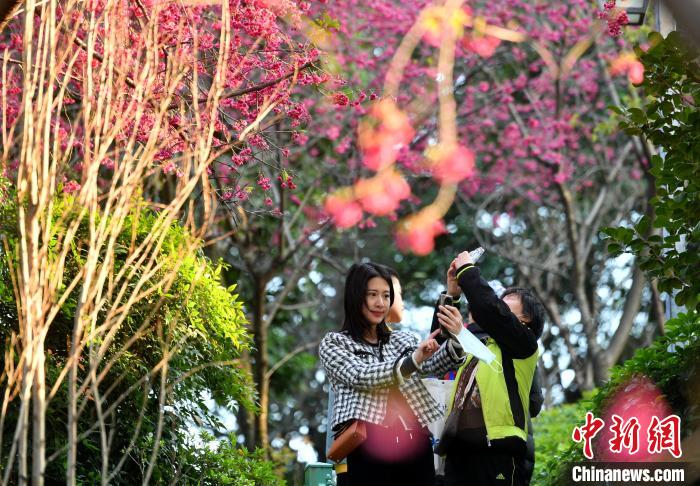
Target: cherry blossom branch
<point>266,84</point>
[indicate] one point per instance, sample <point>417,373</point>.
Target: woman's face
<point>396,310</point>
<point>376,301</point>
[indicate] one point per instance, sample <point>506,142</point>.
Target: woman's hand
<point>427,348</point>
<point>450,318</point>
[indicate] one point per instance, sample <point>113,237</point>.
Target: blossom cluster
<point>267,58</point>
<point>523,127</point>
<point>615,17</point>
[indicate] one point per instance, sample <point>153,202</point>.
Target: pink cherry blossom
<point>382,195</point>
<point>418,235</point>
<point>344,210</point>
<point>483,45</point>
<point>627,63</point>
<point>452,165</point>
<point>341,99</point>
<point>382,136</point>
<point>70,187</point>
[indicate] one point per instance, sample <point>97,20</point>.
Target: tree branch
<point>301,266</point>
<point>658,306</point>
<point>257,87</point>
<point>289,356</point>
<point>302,305</point>
<point>631,309</point>
<point>266,84</point>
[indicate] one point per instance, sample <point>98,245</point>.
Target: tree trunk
<point>633,302</point>
<point>246,420</point>
<point>261,364</point>
<point>39,418</point>
<point>33,384</point>
<point>596,355</point>
<point>552,308</point>
<point>74,356</point>
<point>588,319</point>
<point>601,364</point>
<point>24,430</point>
<point>589,375</point>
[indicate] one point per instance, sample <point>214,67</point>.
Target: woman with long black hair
<point>375,374</point>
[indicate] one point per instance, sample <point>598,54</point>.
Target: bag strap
<point>465,386</point>
<point>343,427</point>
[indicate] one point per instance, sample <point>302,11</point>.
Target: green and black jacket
<point>504,395</point>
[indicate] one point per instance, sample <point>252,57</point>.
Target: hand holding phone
<point>450,319</point>
<point>445,299</point>
<point>467,257</point>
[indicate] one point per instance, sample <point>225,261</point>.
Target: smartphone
<point>476,254</point>
<point>444,300</point>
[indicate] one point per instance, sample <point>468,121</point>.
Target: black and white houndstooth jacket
<point>361,380</point>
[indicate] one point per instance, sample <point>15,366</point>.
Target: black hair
<point>532,308</point>
<point>356,296</point>
<point>392,273</point>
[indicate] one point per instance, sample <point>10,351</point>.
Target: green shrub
<point>226,464</point>
<point>203,320</point>
<point>553,434</point>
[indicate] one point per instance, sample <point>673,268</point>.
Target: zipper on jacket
<point>487,440</point>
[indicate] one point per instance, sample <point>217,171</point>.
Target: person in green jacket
<point>492,399</point>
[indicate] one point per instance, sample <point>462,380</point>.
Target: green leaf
<point>642,225</point>
<point>655,38</point>
<point>614,249</point>
<point>637,116</point>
